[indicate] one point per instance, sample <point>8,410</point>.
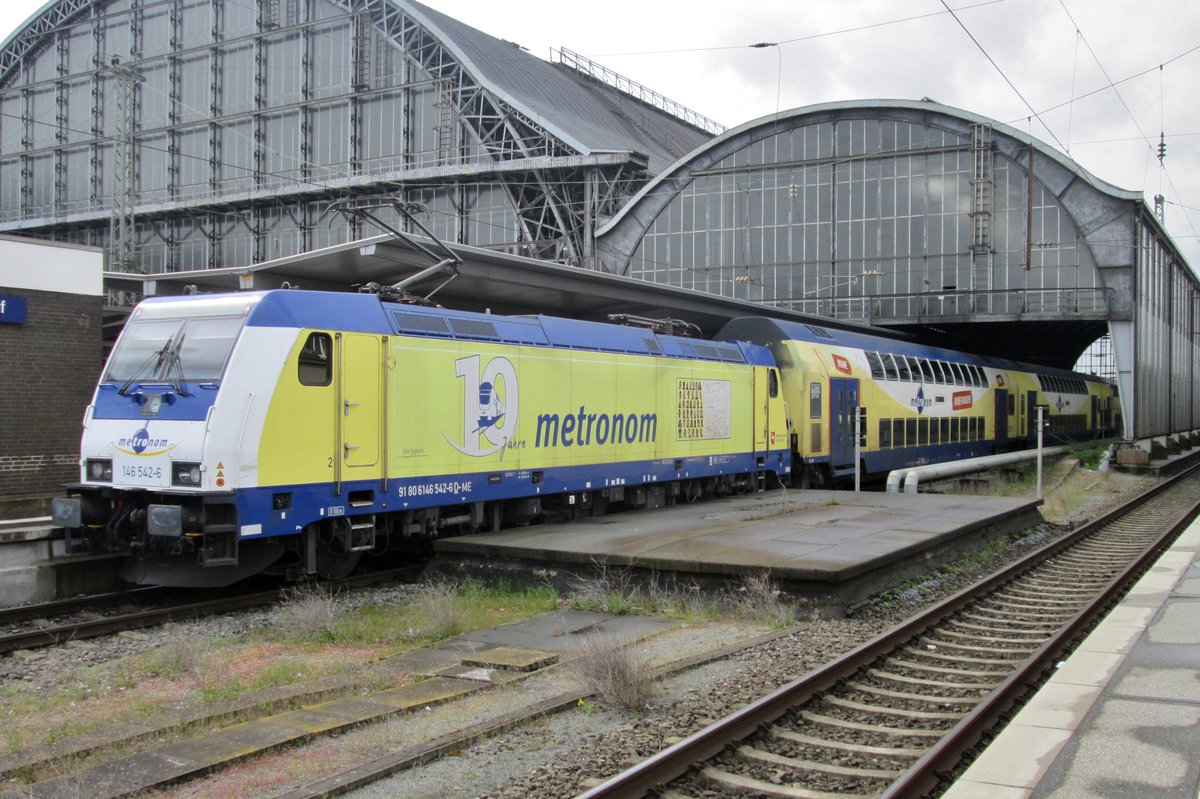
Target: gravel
<point>562,754</point>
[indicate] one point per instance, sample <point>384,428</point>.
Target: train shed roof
<point>486,280</point>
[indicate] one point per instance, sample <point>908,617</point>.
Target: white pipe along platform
<point>911,476</point>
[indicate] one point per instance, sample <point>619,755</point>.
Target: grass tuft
<point>611,669</point>
<point>309,610</point>
<point>759,598</point>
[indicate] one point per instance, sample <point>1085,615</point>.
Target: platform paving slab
<point>1120,718</point>
<point>837,545</point>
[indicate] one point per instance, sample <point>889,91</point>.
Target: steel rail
<point>674,761</point>
<point>63,607</point>
<point>50,636</point>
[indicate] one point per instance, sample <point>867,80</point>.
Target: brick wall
<point>48,369</point>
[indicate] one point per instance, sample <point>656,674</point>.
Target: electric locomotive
<point>294,431</point>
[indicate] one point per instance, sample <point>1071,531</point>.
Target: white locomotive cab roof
<point>193,306</point>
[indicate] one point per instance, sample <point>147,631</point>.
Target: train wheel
<point>334,563</point>
<point>330,555</point>
<point>802,478</point>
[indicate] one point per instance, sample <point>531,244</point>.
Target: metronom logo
<point>490,403</point>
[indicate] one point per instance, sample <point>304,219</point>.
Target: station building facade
<point>50,320</point>
<point>188,134</point>
<point>192,134</point>
<point>921,217</point>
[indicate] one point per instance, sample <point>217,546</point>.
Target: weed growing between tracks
<point>754,598</point>
<point>613,670</point>
<point>204,666</point>
<point>440,610</point>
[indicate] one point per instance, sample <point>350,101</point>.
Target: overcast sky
<point>1050,51</point>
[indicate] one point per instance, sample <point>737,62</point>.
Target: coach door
<point>1001,416</point>
<point>843,400</point>
<point>359,406</point>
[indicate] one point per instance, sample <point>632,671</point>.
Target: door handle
<point>347,405</point>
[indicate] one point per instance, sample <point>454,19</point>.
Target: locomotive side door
<point>762,415</point>
<point>766,394</point>
<point>359,406</point>
<point>843,399</point>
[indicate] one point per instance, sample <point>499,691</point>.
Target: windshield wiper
<point>146,369</point>
<point>166,366</point>
<point>174,368</point>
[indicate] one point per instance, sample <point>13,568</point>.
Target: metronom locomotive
<point>293,431</point>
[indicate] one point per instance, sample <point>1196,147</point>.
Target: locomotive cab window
<point>773,383</point>
<point>314,367</point>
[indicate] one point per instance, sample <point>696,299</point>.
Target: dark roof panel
<point>590,115</point>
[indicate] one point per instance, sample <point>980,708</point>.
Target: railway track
<point>894,716</point>
<point>165,608</point>
<point>79,604</point>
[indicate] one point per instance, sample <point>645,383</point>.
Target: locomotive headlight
<point>185,474</point>
<point>99,469</point>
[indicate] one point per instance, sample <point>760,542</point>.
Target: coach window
<point>914,366</point>
<point>902,366</point>
<point>898,432</point>
<point>314,367</point>
<point>934,427</point>
<point>876,365</point>
<point>926,370</point>
<point>923,431</point>
<point>889,365</point>
<point>814,401</point>
<point>885,433</point>
<point>910,432</point>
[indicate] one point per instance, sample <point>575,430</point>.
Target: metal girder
<point>556,190</point>
<point>548,220</point>
<point>36,34</point>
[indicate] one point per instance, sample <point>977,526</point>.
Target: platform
<point>834,548</point>
<point>1120,718</point>
<point>35,565</point>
